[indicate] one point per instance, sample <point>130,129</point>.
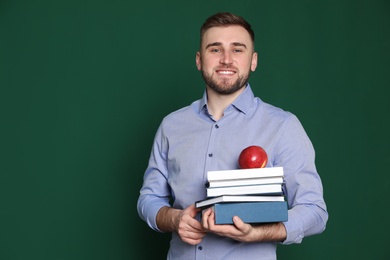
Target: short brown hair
<point>226,19</point>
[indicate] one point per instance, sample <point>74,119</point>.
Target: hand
<point>240,231</point>
<point>243,232</point>
<point>189,229</point>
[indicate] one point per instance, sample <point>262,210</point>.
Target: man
<point>209,135</point>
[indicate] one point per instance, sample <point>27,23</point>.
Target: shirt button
<point>200,248</point>
<point>210,155</point>
<point>217,126</point>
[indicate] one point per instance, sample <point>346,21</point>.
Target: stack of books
<point>255,195</point>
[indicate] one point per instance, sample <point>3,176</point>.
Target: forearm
<point>270,232</point>
<point>167,219</point>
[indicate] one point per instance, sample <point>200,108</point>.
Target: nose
<point>226,58</point>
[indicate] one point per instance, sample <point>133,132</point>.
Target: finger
<point>191,235</point>
<point>241,225</point>
<point>189,218</point>
<point>205,216</point>
<point>191,224</point>
<point>195,225</point>
<point>211,220</point>
<point>238,222</point>
<point>194,209</point>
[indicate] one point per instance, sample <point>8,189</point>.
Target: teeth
<point>226,72</point>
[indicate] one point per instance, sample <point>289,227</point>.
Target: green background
<point>84,85</point>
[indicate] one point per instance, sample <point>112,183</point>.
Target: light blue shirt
<point>189,143</point>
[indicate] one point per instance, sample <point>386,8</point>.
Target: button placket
<point>210,153</point>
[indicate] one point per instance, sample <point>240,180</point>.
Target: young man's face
<point>226,58</point>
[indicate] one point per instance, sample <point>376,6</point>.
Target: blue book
<point>251,212</point>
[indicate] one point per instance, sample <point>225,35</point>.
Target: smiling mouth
<point>226,72</point>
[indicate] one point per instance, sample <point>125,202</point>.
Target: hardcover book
<point>245,173</point>
<point>251,212</point>
<point>238,198</point>
<point>243,182</point>
<point>268,189</point>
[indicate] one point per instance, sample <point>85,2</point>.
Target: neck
<point>217,103</point>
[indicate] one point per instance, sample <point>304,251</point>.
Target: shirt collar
<point>243,103</point>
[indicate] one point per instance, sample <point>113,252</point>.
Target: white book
<point>245,173</point>
<point>242,182</point>
<point>268,189</point>
<point>237,198</point>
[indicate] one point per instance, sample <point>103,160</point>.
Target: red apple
<point>253,157</point>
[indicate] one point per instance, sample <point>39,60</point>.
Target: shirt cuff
<point>294,228</point>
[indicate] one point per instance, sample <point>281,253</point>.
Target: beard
<point>225,87</point>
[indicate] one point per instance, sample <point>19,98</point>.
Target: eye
<point>237,50</point>
<point>216,50</point>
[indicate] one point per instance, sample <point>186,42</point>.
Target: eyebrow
<point>219,44</point>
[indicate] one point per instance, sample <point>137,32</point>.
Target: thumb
<point>240,225</point>
<point>192,210</point>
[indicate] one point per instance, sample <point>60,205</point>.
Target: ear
<point>198,61</point>
<point>254,61</point>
